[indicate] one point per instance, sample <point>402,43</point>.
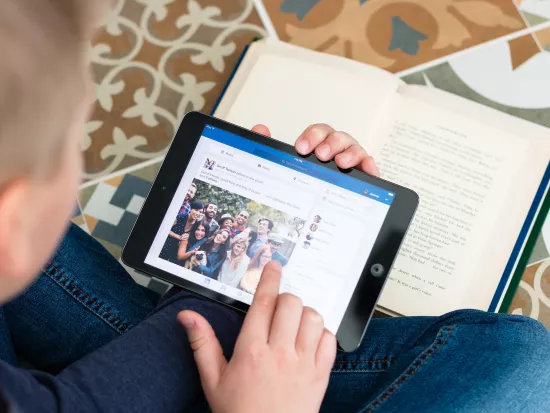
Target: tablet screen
<point>241,204</point>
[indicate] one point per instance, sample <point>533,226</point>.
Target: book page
<point>476,183</point>
<point>289,88</point>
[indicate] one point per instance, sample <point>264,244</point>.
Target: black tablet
<point>226,201</point>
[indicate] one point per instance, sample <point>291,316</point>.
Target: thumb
<point>206,348</point>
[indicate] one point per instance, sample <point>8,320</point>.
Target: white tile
<point>99,206</point>
<point>135,204</point>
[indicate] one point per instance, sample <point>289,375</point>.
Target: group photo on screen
<point>228,237</point>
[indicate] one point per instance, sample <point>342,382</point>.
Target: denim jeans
<point>87,321</point>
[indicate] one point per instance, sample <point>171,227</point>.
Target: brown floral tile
<point>392,34</point>
<point>152,62</point>
<point>533,296</point>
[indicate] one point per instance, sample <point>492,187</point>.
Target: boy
<point>65,324</point>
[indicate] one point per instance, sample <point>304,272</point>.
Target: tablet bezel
<point>369,287</point>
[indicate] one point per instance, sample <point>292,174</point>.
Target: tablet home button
<point>377,270</point>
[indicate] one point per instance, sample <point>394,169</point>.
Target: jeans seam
<point>375,365</point>
<point>386,360</point>
<point>359,370</point>
<point>92,304</point>
<point>438,343</point>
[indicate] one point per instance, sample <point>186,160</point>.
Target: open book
<point>481,175</point>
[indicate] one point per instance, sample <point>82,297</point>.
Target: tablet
<point>226,201</point>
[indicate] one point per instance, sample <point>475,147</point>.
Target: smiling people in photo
<point>275,242</point>
<point>251,278</point>
<point>191,191</point>
<point>192,242</point>
<point>236,263</point>
<point>182,225</point>
<point>226,221</point>
<point>209,219</point>
<point>240,223</point>
<point>265,225</point>
<point>215,252</point>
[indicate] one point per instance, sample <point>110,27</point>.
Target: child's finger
<point>326,352</point>
<point>260,315</point>
<point>369,166</point>
<point>335,143</point>
<point>262,130</point>
<point>312,137</point>
<point>206,348</point>
<point>357,157</point>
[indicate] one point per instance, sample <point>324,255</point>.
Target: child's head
<point>43,108</point>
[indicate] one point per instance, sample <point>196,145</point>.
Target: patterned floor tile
<point>111,207</point>
<point>511,76</point>
<point>533,296</point>
<point>534,11</point>
<point>159,286</point>
<point>78,219</point>
<point>152,62</point>
<point>392,34</point>
<point>543,38</point>
<point>139,278</point>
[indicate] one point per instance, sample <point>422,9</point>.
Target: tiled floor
<point>155,60</point>
<point>393,34</point>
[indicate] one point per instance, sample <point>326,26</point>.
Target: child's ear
<point>15,239</point>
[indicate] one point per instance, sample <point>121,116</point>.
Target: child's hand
<point>282,358</point>
<point>330,144</point>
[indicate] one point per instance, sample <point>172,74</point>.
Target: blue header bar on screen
<point>298,164</point>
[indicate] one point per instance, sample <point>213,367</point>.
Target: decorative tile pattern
<point>153,61</point>
<point>392,34</point>
<point>533,296</point>
<point>511,76</point>
<point>534,11</point>
<point>111,207</point>
<point>79,220</point>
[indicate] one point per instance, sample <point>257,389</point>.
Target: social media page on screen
<point>241,204</point>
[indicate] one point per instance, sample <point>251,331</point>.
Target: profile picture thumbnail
<point>209,164</point>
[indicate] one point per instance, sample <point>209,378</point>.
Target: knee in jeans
<point>524,323</point>
<point>505,327</point>
<point>527,336</point>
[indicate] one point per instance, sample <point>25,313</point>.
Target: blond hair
<point>42,79</point>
